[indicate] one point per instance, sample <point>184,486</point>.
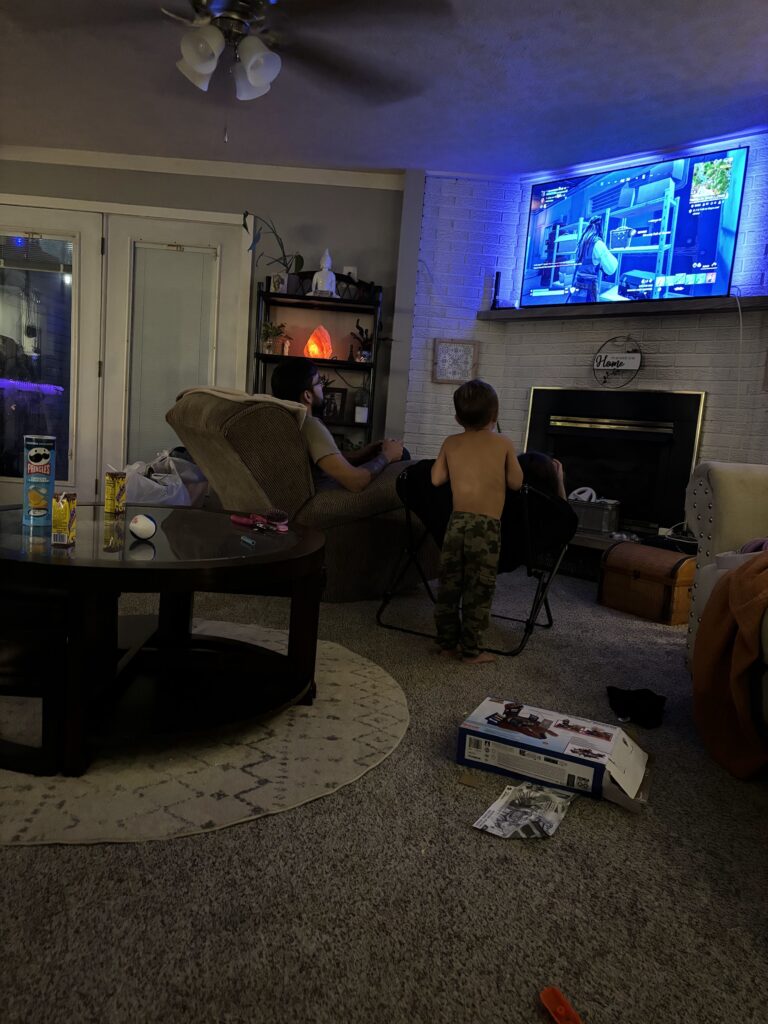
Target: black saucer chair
<point>536,530</point>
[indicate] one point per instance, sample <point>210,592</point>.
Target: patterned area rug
<point>169,788</point>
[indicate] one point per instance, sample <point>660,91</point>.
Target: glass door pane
<point>172,338</point>
<point>36,352</point>
<point>175,317</point>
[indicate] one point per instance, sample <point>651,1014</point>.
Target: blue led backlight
<point>664,230</point>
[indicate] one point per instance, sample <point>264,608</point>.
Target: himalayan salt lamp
<point>319,344</point>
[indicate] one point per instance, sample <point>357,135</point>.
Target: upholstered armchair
<point>726,506</point>
<point>254,457</point>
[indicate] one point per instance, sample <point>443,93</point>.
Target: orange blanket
<point>727,667</point>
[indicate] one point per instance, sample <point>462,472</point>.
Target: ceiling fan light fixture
<point>201,81</point>
<point>261,65</point>
<point>244,88</point>
<point>202,47</point>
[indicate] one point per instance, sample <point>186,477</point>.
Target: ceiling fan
<point>239,25</point>
<point>259,34</point>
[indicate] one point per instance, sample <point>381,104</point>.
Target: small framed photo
<point>454,362</point>
<point>333,408</point>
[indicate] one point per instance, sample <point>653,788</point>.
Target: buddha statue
<point>324,281</point>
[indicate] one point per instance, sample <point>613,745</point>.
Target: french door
<point>96,340</point>
<point>50,330</point>
<point>176,312</point>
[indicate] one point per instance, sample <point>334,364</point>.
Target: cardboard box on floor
<point>575,754</point>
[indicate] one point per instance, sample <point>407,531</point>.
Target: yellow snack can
<point>64,529</point>
<point>114,534</point>
<point>114,493</point>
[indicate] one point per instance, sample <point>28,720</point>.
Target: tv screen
<point>664,230</point>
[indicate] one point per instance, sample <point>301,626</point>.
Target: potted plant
<point>291,262</point>
<point>273,338</point>
<point>364,338</point>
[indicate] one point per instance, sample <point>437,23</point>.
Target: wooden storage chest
<point>649,582</point>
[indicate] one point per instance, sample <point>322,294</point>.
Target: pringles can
<point>114,493</point>
<point>39,479</point>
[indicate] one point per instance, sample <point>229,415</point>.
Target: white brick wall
<point>472,228</point>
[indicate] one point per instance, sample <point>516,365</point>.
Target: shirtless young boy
<point>480,465</point>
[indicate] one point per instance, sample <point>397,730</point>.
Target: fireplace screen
<point>635,447</point>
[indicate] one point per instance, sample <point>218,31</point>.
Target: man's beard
<point>318,404</point>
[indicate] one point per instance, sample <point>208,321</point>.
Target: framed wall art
<point>454,362</point>
<point>335,400</point>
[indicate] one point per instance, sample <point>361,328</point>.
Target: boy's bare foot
<point>483,658</point>
<point>448,652</point>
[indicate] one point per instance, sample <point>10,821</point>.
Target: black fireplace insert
<point>636,447</point>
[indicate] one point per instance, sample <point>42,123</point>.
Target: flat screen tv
<point>663,230</point>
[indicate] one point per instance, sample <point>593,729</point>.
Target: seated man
<point>298,380</point>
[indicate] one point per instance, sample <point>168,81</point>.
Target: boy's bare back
<point>480,465</point>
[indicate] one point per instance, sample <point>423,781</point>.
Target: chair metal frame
<point>544,579</point>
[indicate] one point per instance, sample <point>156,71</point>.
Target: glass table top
<point>183,535</point>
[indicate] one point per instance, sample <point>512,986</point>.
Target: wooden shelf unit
<point>340,315</point>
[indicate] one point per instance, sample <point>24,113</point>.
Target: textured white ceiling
<point>509,86</point>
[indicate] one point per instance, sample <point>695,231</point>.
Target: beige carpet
<point>165,789</point>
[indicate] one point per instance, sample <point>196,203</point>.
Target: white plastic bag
<point>167,480</point>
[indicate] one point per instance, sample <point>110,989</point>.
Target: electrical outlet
<point>351,272</point>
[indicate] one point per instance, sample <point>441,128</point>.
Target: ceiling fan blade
<point>338,69</point>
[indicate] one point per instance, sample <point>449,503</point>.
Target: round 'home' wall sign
<point>617,361</point>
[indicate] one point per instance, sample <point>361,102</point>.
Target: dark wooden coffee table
<point>61,640</point>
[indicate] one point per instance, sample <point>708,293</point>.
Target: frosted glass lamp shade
<point>261,65</point>
<point>201,81</point>
<point>201,48</point>
<point>246,90</point>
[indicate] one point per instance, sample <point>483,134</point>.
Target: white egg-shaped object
<point>143,527</point>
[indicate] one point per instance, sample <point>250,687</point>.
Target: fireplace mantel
<point>667,307</point>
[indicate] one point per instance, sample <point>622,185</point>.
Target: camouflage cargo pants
<point>468,565</point>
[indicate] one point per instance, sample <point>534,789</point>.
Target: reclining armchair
<point>254,457</point>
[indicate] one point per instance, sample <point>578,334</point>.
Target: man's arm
<point>351,478</point>
<point>513,470</point>
<point>362,455</point>
<point>356,478</point>
<point>439,472</point>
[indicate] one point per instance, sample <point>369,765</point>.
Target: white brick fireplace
<point>472,228</point>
